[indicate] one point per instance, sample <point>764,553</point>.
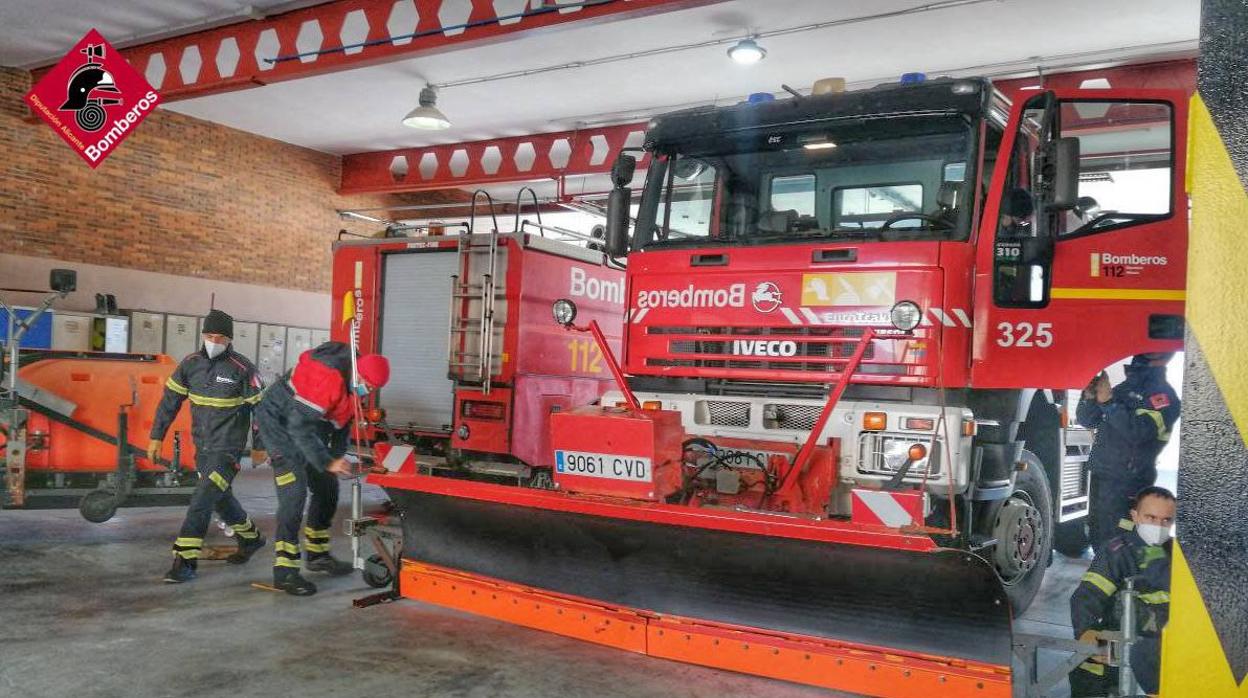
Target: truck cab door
<point>1064,289</point>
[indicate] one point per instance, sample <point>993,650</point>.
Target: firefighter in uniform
<point>1133,422</point>
<point>223,387</point>
<point>305,420</point>
<point>1142,551</point>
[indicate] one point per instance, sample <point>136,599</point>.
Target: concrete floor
<point>83,613</point>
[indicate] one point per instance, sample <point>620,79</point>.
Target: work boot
<point>324,562</point>
<point>246,548</point>
<point>293,583</point>
<point>183,570</point>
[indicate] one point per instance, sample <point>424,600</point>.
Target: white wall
<point>145,290</point>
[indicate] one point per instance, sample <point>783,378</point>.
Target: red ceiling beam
<point>281,47</point>
<point>1177,74</point>
<point>591,151</point>
<point>497,161</point>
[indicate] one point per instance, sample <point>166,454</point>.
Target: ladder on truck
<point>475,290</point>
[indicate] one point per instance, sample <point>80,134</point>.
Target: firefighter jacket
<point>1096,605</point>
<point>307,414</point>
<point>1133,427</point>
<point>222,391</point>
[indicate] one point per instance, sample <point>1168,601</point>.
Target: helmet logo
<point>90,89</point>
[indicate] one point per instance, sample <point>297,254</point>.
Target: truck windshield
<point>877,179</point>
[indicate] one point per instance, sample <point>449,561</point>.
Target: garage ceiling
<point>359,110</point>
<point>36,32</point>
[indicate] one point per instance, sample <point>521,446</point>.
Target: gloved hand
<point>258,457</point>
<point>1092,637</point>
<point>1103,390</point>
<point>153,449</point>
<point>340,467</point>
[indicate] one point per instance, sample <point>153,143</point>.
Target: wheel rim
<point>1019,531</point>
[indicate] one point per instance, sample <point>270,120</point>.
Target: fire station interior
<point>732,348</point>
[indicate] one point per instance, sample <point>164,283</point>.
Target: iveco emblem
<point>766,297</point>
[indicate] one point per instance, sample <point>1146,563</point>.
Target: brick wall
<point>180,195</point>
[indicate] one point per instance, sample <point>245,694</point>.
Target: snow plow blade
<point>923,620</point>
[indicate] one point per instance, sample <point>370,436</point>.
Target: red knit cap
<point>374,368</point>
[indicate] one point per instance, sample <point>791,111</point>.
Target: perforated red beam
<point>1177,74</point>
<point>516,159</point>
<point>475,164</point>
<point>259,52</point>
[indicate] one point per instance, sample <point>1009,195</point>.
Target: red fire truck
<point>833,451</point>
<point>477,364</point>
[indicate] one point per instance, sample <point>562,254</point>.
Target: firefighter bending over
<point>305,420</point>
<point>1142,551</point>
<point>223,387</point>
<point>1133,422</point>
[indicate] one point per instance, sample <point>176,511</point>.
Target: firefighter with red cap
<point>305,420</point>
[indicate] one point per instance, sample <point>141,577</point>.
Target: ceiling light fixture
<point>427,116</point>
<point>747,52</point>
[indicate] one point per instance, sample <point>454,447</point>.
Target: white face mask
<point>1153,534</point>
<point>213,349</point>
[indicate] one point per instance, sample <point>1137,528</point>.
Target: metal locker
<point>71,332</point>
<point>271,357</point>
<point>110,333</point>
<point>298,340</point>
<point>246,335</point>
<point>147,332</point>
<point>181,335</point>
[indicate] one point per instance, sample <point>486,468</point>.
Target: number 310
<point>1025,335</point>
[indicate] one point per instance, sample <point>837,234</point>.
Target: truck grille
<point>722,413</point>
<point>801,417</point>
<point>787,353</point>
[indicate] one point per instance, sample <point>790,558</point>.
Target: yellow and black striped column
<point>1205,645</point>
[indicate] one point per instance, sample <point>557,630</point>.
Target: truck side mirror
<point>618,202</point>
<point>1066,173</point>
<point>622,170</point>
<point>63,280</point>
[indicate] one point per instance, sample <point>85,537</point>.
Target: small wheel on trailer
<point>98,506</point>
<point>375,573</point>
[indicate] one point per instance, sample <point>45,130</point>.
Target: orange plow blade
<point>870,671</point>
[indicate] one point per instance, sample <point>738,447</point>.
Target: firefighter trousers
<point>295,479</point>
<point>1110,500</point>
<point>213,493</point>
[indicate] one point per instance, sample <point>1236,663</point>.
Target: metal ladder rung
<point>497,294</point>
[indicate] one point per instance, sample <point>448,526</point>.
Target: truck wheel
<point>1024,534</point>
<point>1071,538</point>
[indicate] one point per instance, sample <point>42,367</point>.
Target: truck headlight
<point>884,455</point>
<point>564,311</point>
<point>906,316</point>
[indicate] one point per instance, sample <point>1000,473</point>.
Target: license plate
<point>604,465</point>
<point>746,458</point>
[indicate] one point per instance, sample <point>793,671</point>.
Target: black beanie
<point>218,322</point>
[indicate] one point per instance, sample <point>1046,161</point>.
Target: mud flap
<point>945,603</point>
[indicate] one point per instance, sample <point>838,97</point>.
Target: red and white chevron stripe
<point>892,509</point>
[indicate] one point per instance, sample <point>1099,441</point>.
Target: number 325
<point>1025,335</point>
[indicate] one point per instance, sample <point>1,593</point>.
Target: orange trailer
<point>86,417</point>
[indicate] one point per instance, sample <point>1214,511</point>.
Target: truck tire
<point>1071,538</point>
<point>1024,534</point>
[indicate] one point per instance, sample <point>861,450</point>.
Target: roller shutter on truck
<point>415,317</point>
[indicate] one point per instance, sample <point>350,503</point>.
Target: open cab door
<point>1081,255</point>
